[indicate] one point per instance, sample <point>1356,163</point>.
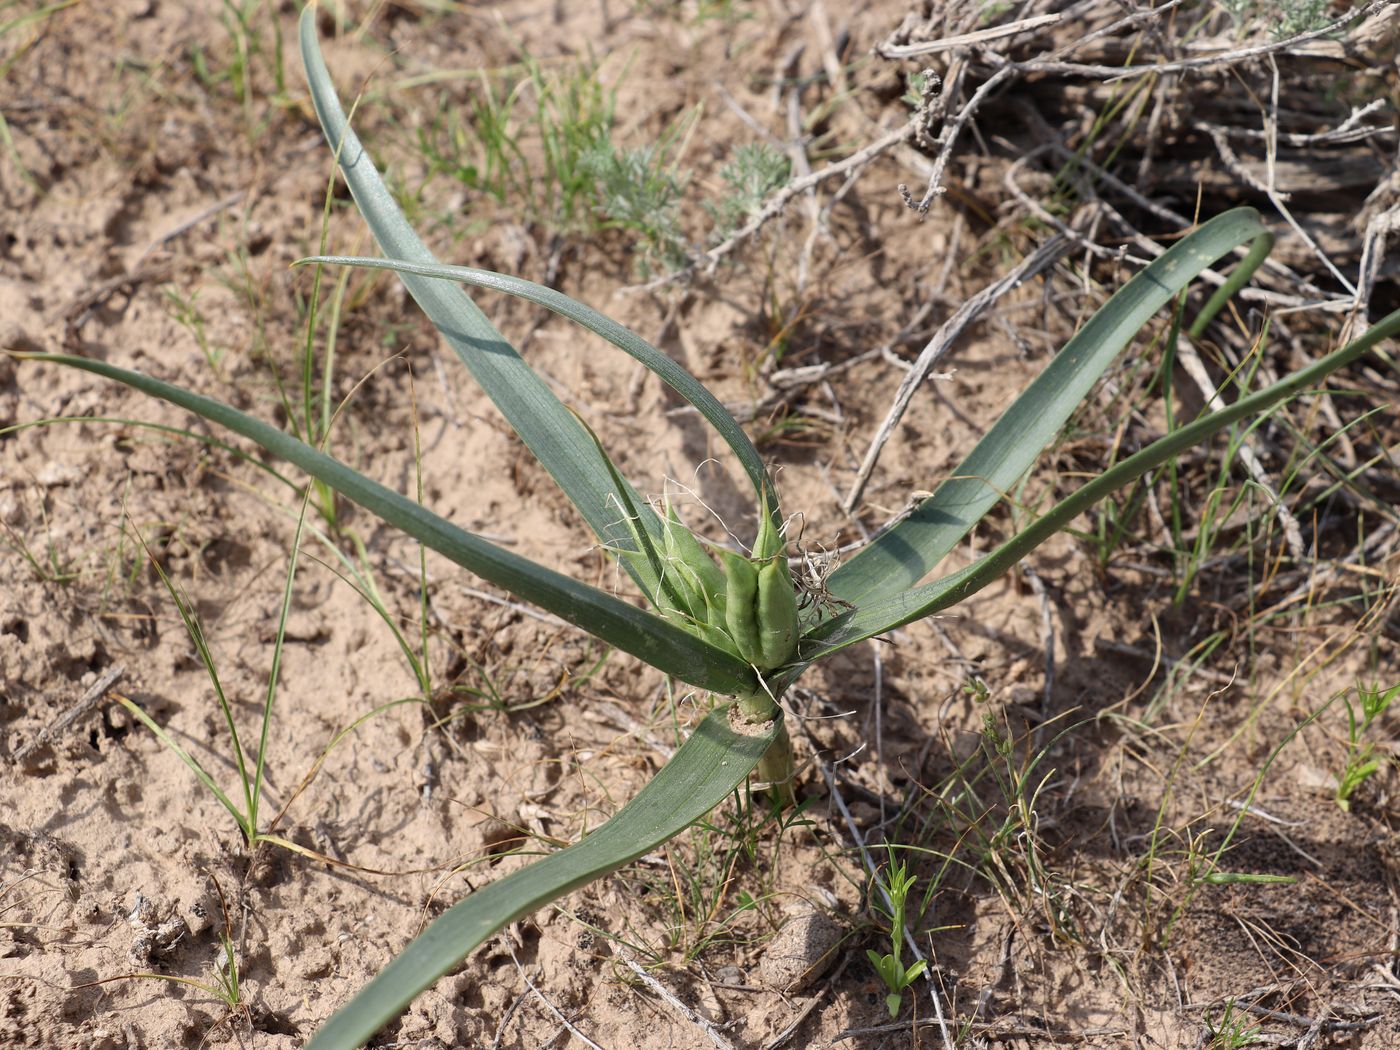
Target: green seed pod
<point>672,596</point>
<point>768,543</point>
<point>705,619</point>
<point>777,614</point>
<point>760,610</point>
<point>741,605</point>
<point>684,550</point>
<point>683,583</point>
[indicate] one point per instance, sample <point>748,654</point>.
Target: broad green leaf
<point>906,553</point>
<point>159,428</point>
<point>885,614</point>
<point>622,337</point>
<point>548,429</point>
<point>701,774</point>
<point>355,574</point>
<point>661,644</point>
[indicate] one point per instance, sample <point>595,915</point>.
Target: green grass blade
<point>159,428</point>
<point>905,554</point>
<point>880,616</point>
<point>357,576</point>
<point>665,646</point>
<point>547,428</point>
<point>195,630</point>
<point>706,768</point>
<point>274,673</point>
<point>622,337</point>
<point>665,584</point>
<point>198,770</point>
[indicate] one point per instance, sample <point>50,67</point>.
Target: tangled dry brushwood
<point>1280,146</point>
<point>1189,117</point>
<point>1117,126</point>
<point>1214,120</point>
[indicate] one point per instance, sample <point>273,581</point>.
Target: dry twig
<point>979,36</point>
<point>574,1030</point>
<point>89,700</point>
<point>711,1032</point>
<point>1223,58</point>
<point>1046,255</point>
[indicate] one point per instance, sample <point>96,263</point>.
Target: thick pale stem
<point>758,707</point>
<point>775,770</point>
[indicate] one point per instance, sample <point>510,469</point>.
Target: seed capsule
<point>760,610</point>
<point>685,554</point>
<point>777,614</point>
<point>741,605</point>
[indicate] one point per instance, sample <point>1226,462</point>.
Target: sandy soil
<point>153,206</point>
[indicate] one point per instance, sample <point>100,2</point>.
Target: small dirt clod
<point>801,952</point>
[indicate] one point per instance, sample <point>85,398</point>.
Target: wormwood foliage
<point>727,622</point>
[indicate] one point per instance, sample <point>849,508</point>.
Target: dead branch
<point>977,37</point>
<point>87,702</point>
<point>1044,256</point>
<point>1223,58</point>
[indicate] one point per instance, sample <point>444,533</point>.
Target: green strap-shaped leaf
<point>906,553</point>
<point>708,766</point>
<point>622,337</point>
<point>646,636</point>
<point>885,614</point>
<point>531,408</point>
<point>354,572</point>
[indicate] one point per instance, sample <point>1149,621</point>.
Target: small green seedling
<point>896,885</point>
<point>245,812</point>
<point>1361,762</point>
<point>562,114</point>
<point>53,565</point>
<point>251,775</point>
<point>1233,1031</point>
<point>226,986</point>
